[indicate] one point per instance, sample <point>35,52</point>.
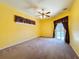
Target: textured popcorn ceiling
<point>31,7</point>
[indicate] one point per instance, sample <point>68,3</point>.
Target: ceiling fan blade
<point>42,10</point>
<point>40,13</point>
<point>48,12</point>
<point>47,15</point>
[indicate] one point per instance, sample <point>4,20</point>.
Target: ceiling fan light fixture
<point>44,13</point>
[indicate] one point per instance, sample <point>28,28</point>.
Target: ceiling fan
<point>44,14</point>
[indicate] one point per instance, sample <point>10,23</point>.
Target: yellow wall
<point>46,28</point>
<point>74,26</point>
<point>11,32</point>
<point>47,25</point>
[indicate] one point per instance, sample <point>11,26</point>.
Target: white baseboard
<point>75,50</point>
<point>7,46</point>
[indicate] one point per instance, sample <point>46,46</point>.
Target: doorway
<point>61,29</point>
<point>60,32</point>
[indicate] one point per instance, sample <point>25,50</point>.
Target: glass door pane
<point>60,32</point>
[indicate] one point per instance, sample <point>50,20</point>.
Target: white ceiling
<point>55,6</point>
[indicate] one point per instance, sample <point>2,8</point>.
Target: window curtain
<point>65,24</point>
<point>55,24</point>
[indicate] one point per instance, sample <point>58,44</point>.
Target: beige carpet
<point>40,48</point>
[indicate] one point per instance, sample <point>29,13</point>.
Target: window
<point>24,20</point>
<point>60,31</point>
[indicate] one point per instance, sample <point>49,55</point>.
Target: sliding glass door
<point>60,32</point>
